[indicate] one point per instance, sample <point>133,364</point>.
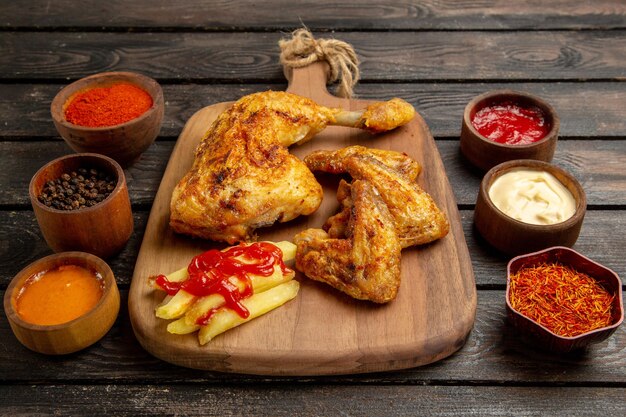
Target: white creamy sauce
<point>534,197</point>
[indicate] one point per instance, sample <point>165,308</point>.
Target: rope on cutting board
<point>303,49</point>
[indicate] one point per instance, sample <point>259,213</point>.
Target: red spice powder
<point>108,106</point>
<point>565,301</point>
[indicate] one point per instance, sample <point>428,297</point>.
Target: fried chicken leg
<point>365,264</point>
<point>243,176</point>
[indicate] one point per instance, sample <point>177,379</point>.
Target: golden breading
<point>365,264</point>
<point>243,176</point>
<point>418,219</point>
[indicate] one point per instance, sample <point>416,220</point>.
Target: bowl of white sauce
<point>528,205</point>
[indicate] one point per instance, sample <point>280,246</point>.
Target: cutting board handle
<point>309,63</point>
<point>310,81</point>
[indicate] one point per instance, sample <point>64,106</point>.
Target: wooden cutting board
<point>321,331</point>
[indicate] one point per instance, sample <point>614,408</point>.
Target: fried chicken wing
<point>378,117</point>
<point>333,162</point>
<point>243,176</point>
<point>337,225</point>
<point>417,218</point>
<point>365,264</point>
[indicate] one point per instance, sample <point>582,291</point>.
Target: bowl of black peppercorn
<point>81,203</point>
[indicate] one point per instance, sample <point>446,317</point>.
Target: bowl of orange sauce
<point>62,303</point>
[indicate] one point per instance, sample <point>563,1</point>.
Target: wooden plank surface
<point>493,355</point>
<point>597,164</point>
<point>298,339</point>
<point>437,54</point>
<point>597,240</point>
<point>387,56</point>
<point>192,400</point>
<point>317,14</point>
<point>586,109</point>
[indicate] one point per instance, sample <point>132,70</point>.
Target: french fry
<point>202,305</point>
<point>176,306</point>
<point>181,326</point>
<point>178,276</point>
<point>259,284</point>
<point>288,249</point>
<point>258,304</point>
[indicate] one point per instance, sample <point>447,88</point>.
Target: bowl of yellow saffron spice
<point>117,114</point>
<point>62,303</point>
<point>561,300</point>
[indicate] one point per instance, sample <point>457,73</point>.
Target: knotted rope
<point>303,49</point>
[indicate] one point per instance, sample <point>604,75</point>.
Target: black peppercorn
<point>77,189</point>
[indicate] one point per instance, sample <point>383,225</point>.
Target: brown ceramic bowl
<point>123,142</point>
<point>485,153</point>
<point>73,335</point>
<point>514,237</point>
<point>538,334</point>
<point>102,229</point>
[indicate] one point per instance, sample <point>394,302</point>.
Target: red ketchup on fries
<point>210,273</point>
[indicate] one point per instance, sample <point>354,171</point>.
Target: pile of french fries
<point>268,293</point>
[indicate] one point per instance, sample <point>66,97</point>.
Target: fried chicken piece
<point>417,218</point>
<point>378,117</point>
<point>333,162</point>
<point>337,225</point>
<point>243,176</point>
<point>365,264</point>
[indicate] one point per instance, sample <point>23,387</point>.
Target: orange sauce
<point>59,295</point>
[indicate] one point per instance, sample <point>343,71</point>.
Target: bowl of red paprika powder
<point>504,125</point>
<point>117,114</point>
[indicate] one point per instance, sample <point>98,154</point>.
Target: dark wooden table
<point>435,54</point>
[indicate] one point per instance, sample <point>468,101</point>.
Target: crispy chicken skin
<point>377,117</point>
<point>382,211</point>
<point>366,263</point>
<point>336,225</point>
<point>333,162</point>
<point>384,116</point>
<point>243,176</point>
<point>417,218</point>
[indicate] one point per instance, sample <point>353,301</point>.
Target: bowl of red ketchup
<point>504,125</point>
